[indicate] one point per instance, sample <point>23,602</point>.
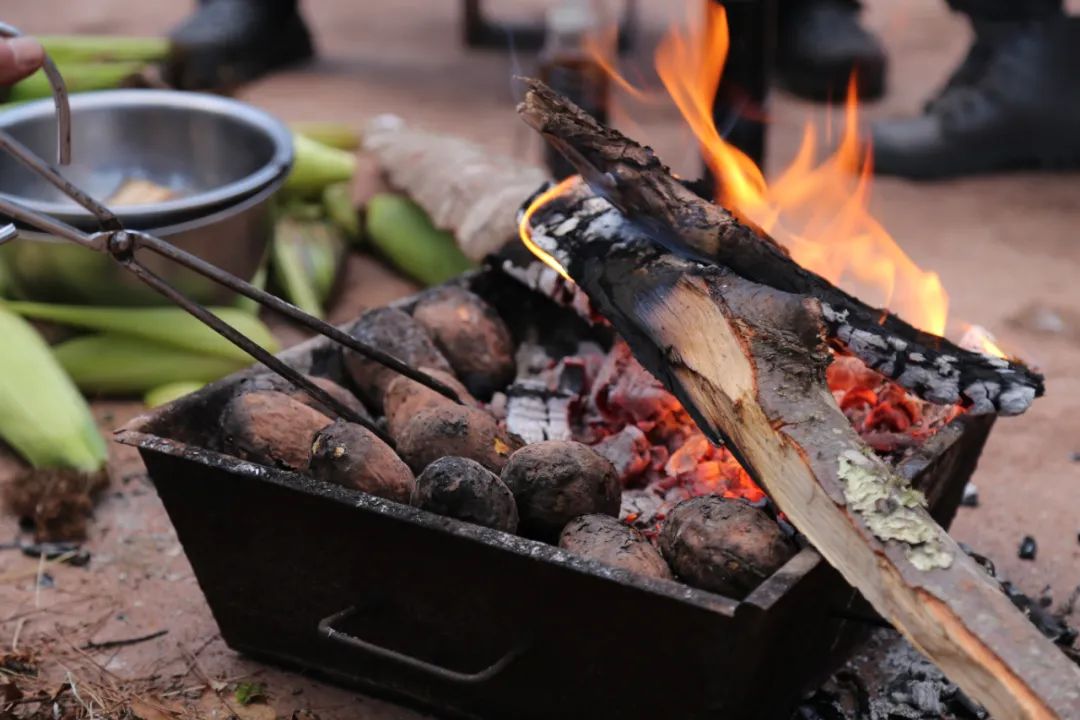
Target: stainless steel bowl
<point>212,151</point>
<point>42,267</point>
<point>225,159</point>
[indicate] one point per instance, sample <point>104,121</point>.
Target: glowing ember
<point>661,456</point>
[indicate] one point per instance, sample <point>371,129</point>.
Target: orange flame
<point>819,211</point>
<point>525,228</point>
<point>979,339</point>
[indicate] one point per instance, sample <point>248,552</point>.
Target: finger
<point>19,57</point>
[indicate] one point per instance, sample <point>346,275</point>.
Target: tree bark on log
<point>644,191</point>
<point>748,362</point>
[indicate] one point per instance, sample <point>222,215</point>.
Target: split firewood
<point>471,335</point>
<point>632,179</point>
<point>748,362</point>
<point>352,456</point>
<point>463,187</point>
<point>271,428</point>
<point>555,481</point>
<point>613,542</point>
<point>464,489</point>
<point>727,546</point>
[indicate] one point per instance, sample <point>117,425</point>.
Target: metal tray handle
<point>326,629</point>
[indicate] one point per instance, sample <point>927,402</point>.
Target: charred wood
<point>632,179</point>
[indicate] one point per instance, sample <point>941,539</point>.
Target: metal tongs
<point>121,244</point>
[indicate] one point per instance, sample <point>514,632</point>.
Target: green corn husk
<point>78,78</point>
<point>73,49</point>
<point>245,304</point>
<point>332,134</point>
<point>165,394</point>
<point>338,205</point>
<point>172,327</point>
<point>300,209</point>
<point>306,257</point>
<point>42,415</point>
<point>122,364</point>
<point>5,279</point>
<point>316,165</point>
<point>402,231</point>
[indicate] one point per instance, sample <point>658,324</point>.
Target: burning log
<point>613,542</point>
<point>471,335</point>
<point>464,489</point>
<point>271,428</point>
<point>352,456</point>
<point>631,178</point>
<point>726,546</point>
<point>556,481</point>
<point>748,363</point>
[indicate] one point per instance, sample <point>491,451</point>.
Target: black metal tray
<point>474,622</point>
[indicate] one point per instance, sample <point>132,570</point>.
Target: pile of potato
<point>458,460</point>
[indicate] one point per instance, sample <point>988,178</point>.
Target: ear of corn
<point>165,394</point>
<point>316,165</point>
<point>335,135</point>
<point>123,364</point>
<point>5,279</point>
<point>306,259</point>
<point>402,231</point>
<point>338,204</point>
<point>42,416</point>
<point>78,77</point>
<point>75,49</point>
<point>245,304</point>
<point>172,327</point>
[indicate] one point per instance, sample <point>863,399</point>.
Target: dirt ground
<point>1007,249</point>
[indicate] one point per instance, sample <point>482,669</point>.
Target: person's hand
<point>19,57</point>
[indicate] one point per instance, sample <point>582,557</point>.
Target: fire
<point>979,339</point>
<point>525,228</point>
<point>818,210</point>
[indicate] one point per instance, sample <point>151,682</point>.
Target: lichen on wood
<point>892,509</point>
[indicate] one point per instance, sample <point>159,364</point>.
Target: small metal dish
<point>224,158</point>
<point>211,151</point>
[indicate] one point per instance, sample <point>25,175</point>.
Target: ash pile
<point>888,679</point>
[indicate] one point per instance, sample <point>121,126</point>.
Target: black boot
<point>820,44</point>
<point>228,42</point>
<point>1013,104</point>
